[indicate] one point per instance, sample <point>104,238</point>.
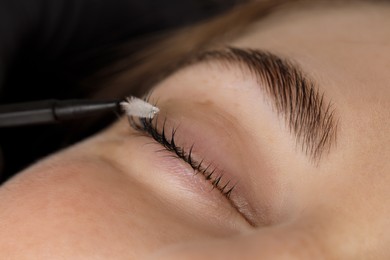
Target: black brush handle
<point>52,111</point>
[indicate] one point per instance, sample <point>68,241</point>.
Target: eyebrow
<point>295,96</point>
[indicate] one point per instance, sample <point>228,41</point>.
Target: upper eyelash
<point>208,172</point>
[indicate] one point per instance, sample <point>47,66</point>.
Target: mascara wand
<point>56,111</point>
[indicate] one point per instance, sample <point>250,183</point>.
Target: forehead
<point>346,24</point>
<point>341,45</point>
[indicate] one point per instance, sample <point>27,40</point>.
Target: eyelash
<point>148,127</point>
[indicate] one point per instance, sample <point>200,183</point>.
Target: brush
<point>57,111</point>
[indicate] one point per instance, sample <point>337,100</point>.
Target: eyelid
<point>225,187</point>
<point>207,170</point>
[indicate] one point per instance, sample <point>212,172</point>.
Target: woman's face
<point>271,157</point>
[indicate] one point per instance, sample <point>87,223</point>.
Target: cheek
<point>74,207</point>
<point>88,205</point>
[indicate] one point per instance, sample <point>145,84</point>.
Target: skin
<point>115,196</point>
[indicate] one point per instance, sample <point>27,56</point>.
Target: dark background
<point>47,47</point>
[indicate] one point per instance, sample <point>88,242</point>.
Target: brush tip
<point>133,106</point>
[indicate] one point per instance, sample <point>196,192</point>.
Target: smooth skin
<point>117,195</point>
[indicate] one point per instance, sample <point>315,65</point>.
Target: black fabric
<point>48,46</point>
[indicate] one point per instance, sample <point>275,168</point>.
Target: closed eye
<point>210,173</point>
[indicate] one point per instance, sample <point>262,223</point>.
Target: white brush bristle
<point>137,107</point>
